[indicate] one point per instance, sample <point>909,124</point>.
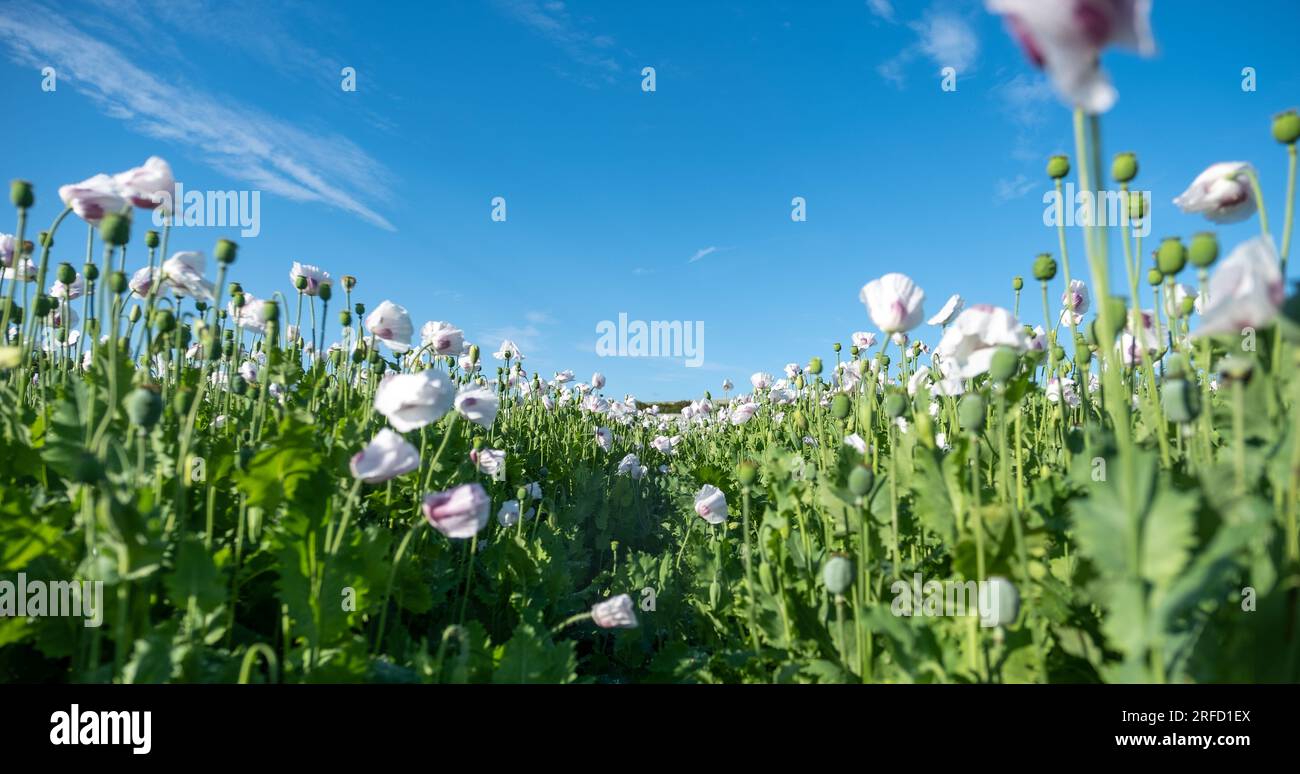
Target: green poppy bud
<point>117,282</point>
<point>895,405</point>
<point>1187,306</point>
<point>143,406</point>
<point>1286,127</point>
<point>1058,353</point>
<point>815,366</point>
<point>326,291</point>
<point>20,193</point>
<point>747,472</point>
<point>1117,309</point>
<point>358,355</point>
<point>473,353</point>
<point>345,318</point>
<point>360,309</point>
<point>1181,401</point>
<point>90,271</point>
<point>42,305</point>
<point>66,274</point>
<point>800,421</point>
<point>884,359</point>
<point>300,282</point>
<point>970,412</point>
<point>225,251</point>
<point>115,229</point>
<point>1003,364</point>
<point>1171,256</point>
<point>1044,268</point>
<point>1204,250</point>
<point>152,239</point>
<point>1017,283</point>
<point>1058,166</point>
<point>1154,278</point>
<point>837,574</point>
<point>861,479</point>
<point>1124,167</point>
<point>840,406</point>
<point>853,350</point>
<point>270,311</point>
<point>836,346</point>
<point>135,314</point>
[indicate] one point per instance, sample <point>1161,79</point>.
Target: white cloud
<point>946,39</point>
<point>265,152</point>
<point>1026,98</point>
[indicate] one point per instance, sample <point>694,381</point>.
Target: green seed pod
<point>999,602</point>
<point>117,282</point>
<point>1003,365</point>
<point>151,239</point>
<point>1181,401</point>
<point>164,321</point>
<point>895,405</point>
<point>326,291</point>
<point>345,318</point>
<point>238,384</point>
<point>358,355</point>
<point>1187,306</point>
<point>853,351</point>
<point>840,406</point>
<point>115,229</point>
<point>1154,278</point>
<point>1124,167</point>
<point>1138,204</point>
<point>798,383</point>
<point>815,366</point>
<point>349,282</point>
<point>836,346</point>
<point>1058,353</point>
<point>1286,127</point>
<point>1017,283</point>
<point>20,194</point>
<point>837,574</point>
<point>800,421</point>
<point>747,472</point>
<point>135,314</point>
<point>861,479</point>
<point>1117,309</point>
<point>300,282</point>
<point>970,412</point>
<point>1082,355</point>
<point>65,273</point>
<point>270,311</point>
<point>1171,256</point>
<point>1044,268</point>
<point>90,272</point>
<point>359,308</point>
<point>883,359</point>
<point>42,305</point>
<point>225,251</point>
<point>143,406</point>
<point>1058,166</point>
<point>1204,250</point>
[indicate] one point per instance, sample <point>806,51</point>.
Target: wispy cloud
<point>705,252</point>
<point>1026,98</point>
<point>1006,189</point>
<point>881,8</point>
<point>265,152</point>
<point>943,38</point>
<point>553,20</point>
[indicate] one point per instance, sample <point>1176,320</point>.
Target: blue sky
<point>610,191</point>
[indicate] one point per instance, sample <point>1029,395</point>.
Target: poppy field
<point>310,485</point>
